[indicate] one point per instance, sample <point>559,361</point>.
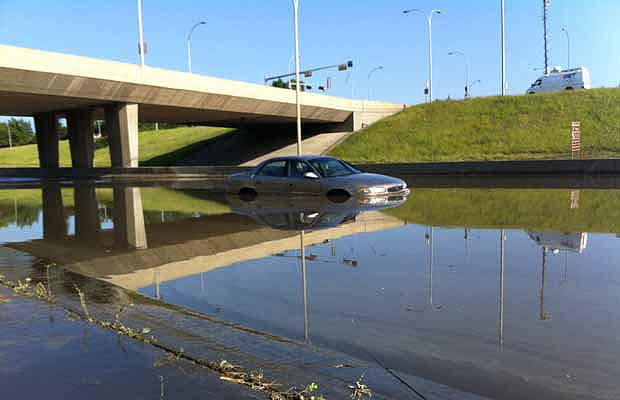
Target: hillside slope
<point>493,128</point>
<point>164,147</point>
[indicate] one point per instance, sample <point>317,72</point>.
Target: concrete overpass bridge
<point>48,85</point>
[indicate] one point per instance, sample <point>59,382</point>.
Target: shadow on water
<point>506,293</point>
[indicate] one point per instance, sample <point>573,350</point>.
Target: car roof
<point>306,158</point>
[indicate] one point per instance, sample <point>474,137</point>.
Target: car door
<point>300,183</point>
<point>273,177</point>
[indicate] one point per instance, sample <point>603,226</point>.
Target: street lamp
<point>296,23</point>
<point>568,46</point>
<point>460,53</point>
<point>370,74</point>
<point>189,44</point>
<point>430,45</point>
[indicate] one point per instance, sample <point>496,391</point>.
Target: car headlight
<point>372,190</point>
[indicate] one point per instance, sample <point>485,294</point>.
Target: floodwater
<point>504,293</point>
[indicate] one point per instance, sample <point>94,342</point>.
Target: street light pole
<point>189,45</point>
<point>503,54</point>
<point>141,44</point>
<point>430,46</point>
<point>568,47</point>
<point>297,83</point>
<point>369,75</point>
<point>290,67</point>
<point>452,53</point>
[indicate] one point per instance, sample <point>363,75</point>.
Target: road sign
<point>575,138</point>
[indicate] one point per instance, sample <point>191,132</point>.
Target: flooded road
<point>505,293</point>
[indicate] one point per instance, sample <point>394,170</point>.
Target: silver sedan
<point>318,175</point>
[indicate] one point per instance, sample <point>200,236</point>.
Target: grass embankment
<point>536,209</point>
<point>157,148</point>
<point>493,128</point>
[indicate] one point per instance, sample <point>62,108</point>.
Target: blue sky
<point>246,39</point>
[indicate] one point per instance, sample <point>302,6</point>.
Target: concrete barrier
<point>485,173</point>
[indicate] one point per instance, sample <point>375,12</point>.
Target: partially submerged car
<point>315,175</point>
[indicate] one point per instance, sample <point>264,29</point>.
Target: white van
<point>575,78</point>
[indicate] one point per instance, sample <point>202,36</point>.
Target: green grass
<point>160,148</point>
<point>492,128</point>
<point>536,209</point>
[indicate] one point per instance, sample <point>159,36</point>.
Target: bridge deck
<point>34,81</point>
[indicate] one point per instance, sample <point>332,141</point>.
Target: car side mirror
<point>311,175</point>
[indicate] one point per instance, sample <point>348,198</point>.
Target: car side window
<point>299,168</point>
<point>274,168</point>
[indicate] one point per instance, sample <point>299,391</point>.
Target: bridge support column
<point>87,224</point>
<point>47,139</point>
<point>81,141</point>
<point>121,121</point>
<point>54,222</point>
<point>129,230</point>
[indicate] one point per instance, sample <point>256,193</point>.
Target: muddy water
<point>503,293</point>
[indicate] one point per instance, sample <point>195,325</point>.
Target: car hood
<point>373,179</point>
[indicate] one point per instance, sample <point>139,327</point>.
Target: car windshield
<point>330,167</point>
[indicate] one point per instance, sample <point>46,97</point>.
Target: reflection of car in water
<point>556,241</point>
<point>316,175</point>
<point>307,213</point>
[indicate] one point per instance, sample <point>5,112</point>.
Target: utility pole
<point>503,54</point>
<point>8,126</point>
<point>546,4</point>
<point>141,34</point>
<point>297,85</point>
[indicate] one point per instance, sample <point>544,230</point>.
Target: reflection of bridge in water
<point>134,255</point>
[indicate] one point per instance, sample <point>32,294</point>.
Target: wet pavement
<point>498,293</point>
<point>45,354</point>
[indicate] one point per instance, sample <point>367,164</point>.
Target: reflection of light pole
<point>466,237</point>
<point>141,45</point>
<point>429,242</point>
<point>565,267</point>
<point>501,287</point>
<point>303,278</point>
<point>543,314</point>
<point>370,74</point>
<point>460,53</point>
<point>430,45</point>
<point>296,17</point>
<point>568,47</point>
<point>156,278</point>
<point>189,45</point>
